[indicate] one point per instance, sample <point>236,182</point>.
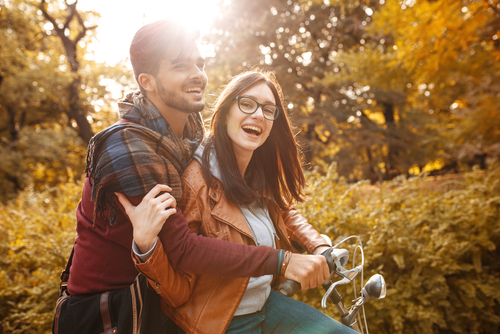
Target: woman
<point>240,187</point>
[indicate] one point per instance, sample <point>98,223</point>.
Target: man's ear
<point>147,82</point>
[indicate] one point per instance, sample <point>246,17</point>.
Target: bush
<point>37,231</point>
<point>40,157</point>
<point>435,240</point>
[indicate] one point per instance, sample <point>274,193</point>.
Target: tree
<point>38,143</point>
<point>299,41</point>
<point>22,65</point>
<point>70,43</point>
<point>360,91</point>
<point>443,58</point>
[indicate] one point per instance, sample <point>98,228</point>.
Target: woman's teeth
<point>254,129</point>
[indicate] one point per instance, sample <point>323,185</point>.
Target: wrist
<point>286,261</point>
<point>281,254</point>
<point>144,244</point>
<point>319,250</point>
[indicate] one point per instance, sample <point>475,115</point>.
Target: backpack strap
<point>63,286</point>
<point>106,318</point>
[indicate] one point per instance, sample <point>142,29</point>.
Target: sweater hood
<point>214,162</point>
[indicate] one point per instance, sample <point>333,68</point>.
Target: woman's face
<point>250,131</point>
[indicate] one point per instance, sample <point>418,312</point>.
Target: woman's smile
<point>249,131</point>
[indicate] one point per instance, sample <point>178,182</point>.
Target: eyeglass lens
<point>249,106</point>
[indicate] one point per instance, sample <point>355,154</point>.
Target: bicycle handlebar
<point>335,258</point>
<point>289,288</point>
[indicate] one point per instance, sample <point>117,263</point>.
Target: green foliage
<point>435,240</point>
<point>37,231</point>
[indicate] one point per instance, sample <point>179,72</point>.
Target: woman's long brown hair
<point>275,170</point>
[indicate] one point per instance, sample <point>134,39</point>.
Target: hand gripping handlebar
<point>336,260</point>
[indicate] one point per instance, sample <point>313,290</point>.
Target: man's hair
<point>151,44</point>
<point>275,170</point>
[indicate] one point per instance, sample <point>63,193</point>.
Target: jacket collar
<point>227,211</point>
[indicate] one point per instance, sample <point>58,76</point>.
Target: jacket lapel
<point>228,212</point>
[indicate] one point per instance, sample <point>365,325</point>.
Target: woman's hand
<point>149,216</point>
<point>319,250</point>
<point>309,270</point>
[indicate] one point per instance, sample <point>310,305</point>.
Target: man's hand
<point>309,270</point>
<point>149,216</point>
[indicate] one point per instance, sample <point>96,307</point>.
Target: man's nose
<point>197,73</point>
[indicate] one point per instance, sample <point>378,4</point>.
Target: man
<point>160,129</point>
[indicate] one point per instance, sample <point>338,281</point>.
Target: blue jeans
<point>282,314</point>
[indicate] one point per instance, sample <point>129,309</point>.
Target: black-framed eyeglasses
<point>249,106</point>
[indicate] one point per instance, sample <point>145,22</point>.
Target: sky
<point>120,19</point>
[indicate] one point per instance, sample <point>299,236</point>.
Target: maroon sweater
<point>102,256</point>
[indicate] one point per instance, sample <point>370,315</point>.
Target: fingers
<point>314,272</point>
<point>319,250</point>
<point>309,270</point>
<point>164,197</point>
<point>156,190</point>
<point>163,206</point>
<point>169,212</point>
<point>150,205</point>
<point>124,201</point>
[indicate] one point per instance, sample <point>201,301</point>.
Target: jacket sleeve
<point>191,252</point>
<point>174,287</point>
<point>300,231</point>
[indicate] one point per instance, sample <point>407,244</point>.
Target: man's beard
<point>176,102</point>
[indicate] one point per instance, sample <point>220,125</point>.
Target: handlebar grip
<point>289,288</point>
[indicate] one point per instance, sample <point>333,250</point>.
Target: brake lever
<point>337,259</point>
<point>330,289</point>
<point>349,274</point>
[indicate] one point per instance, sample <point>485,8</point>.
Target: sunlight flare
<point>121,19</point>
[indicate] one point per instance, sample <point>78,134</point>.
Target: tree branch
<point>84,28</point>
<point>49,18</point>
<point>72,11</point>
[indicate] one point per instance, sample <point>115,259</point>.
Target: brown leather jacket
<point>213,300</point>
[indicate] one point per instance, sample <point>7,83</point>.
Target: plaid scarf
<point>132,157</point>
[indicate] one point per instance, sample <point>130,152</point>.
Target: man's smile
<point>194,90</point>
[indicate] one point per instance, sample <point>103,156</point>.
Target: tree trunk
<point>389,114</point>
<point>391,165</point>
<point>13,129</point>
<point>76,111</point>
<point>372,176</point>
